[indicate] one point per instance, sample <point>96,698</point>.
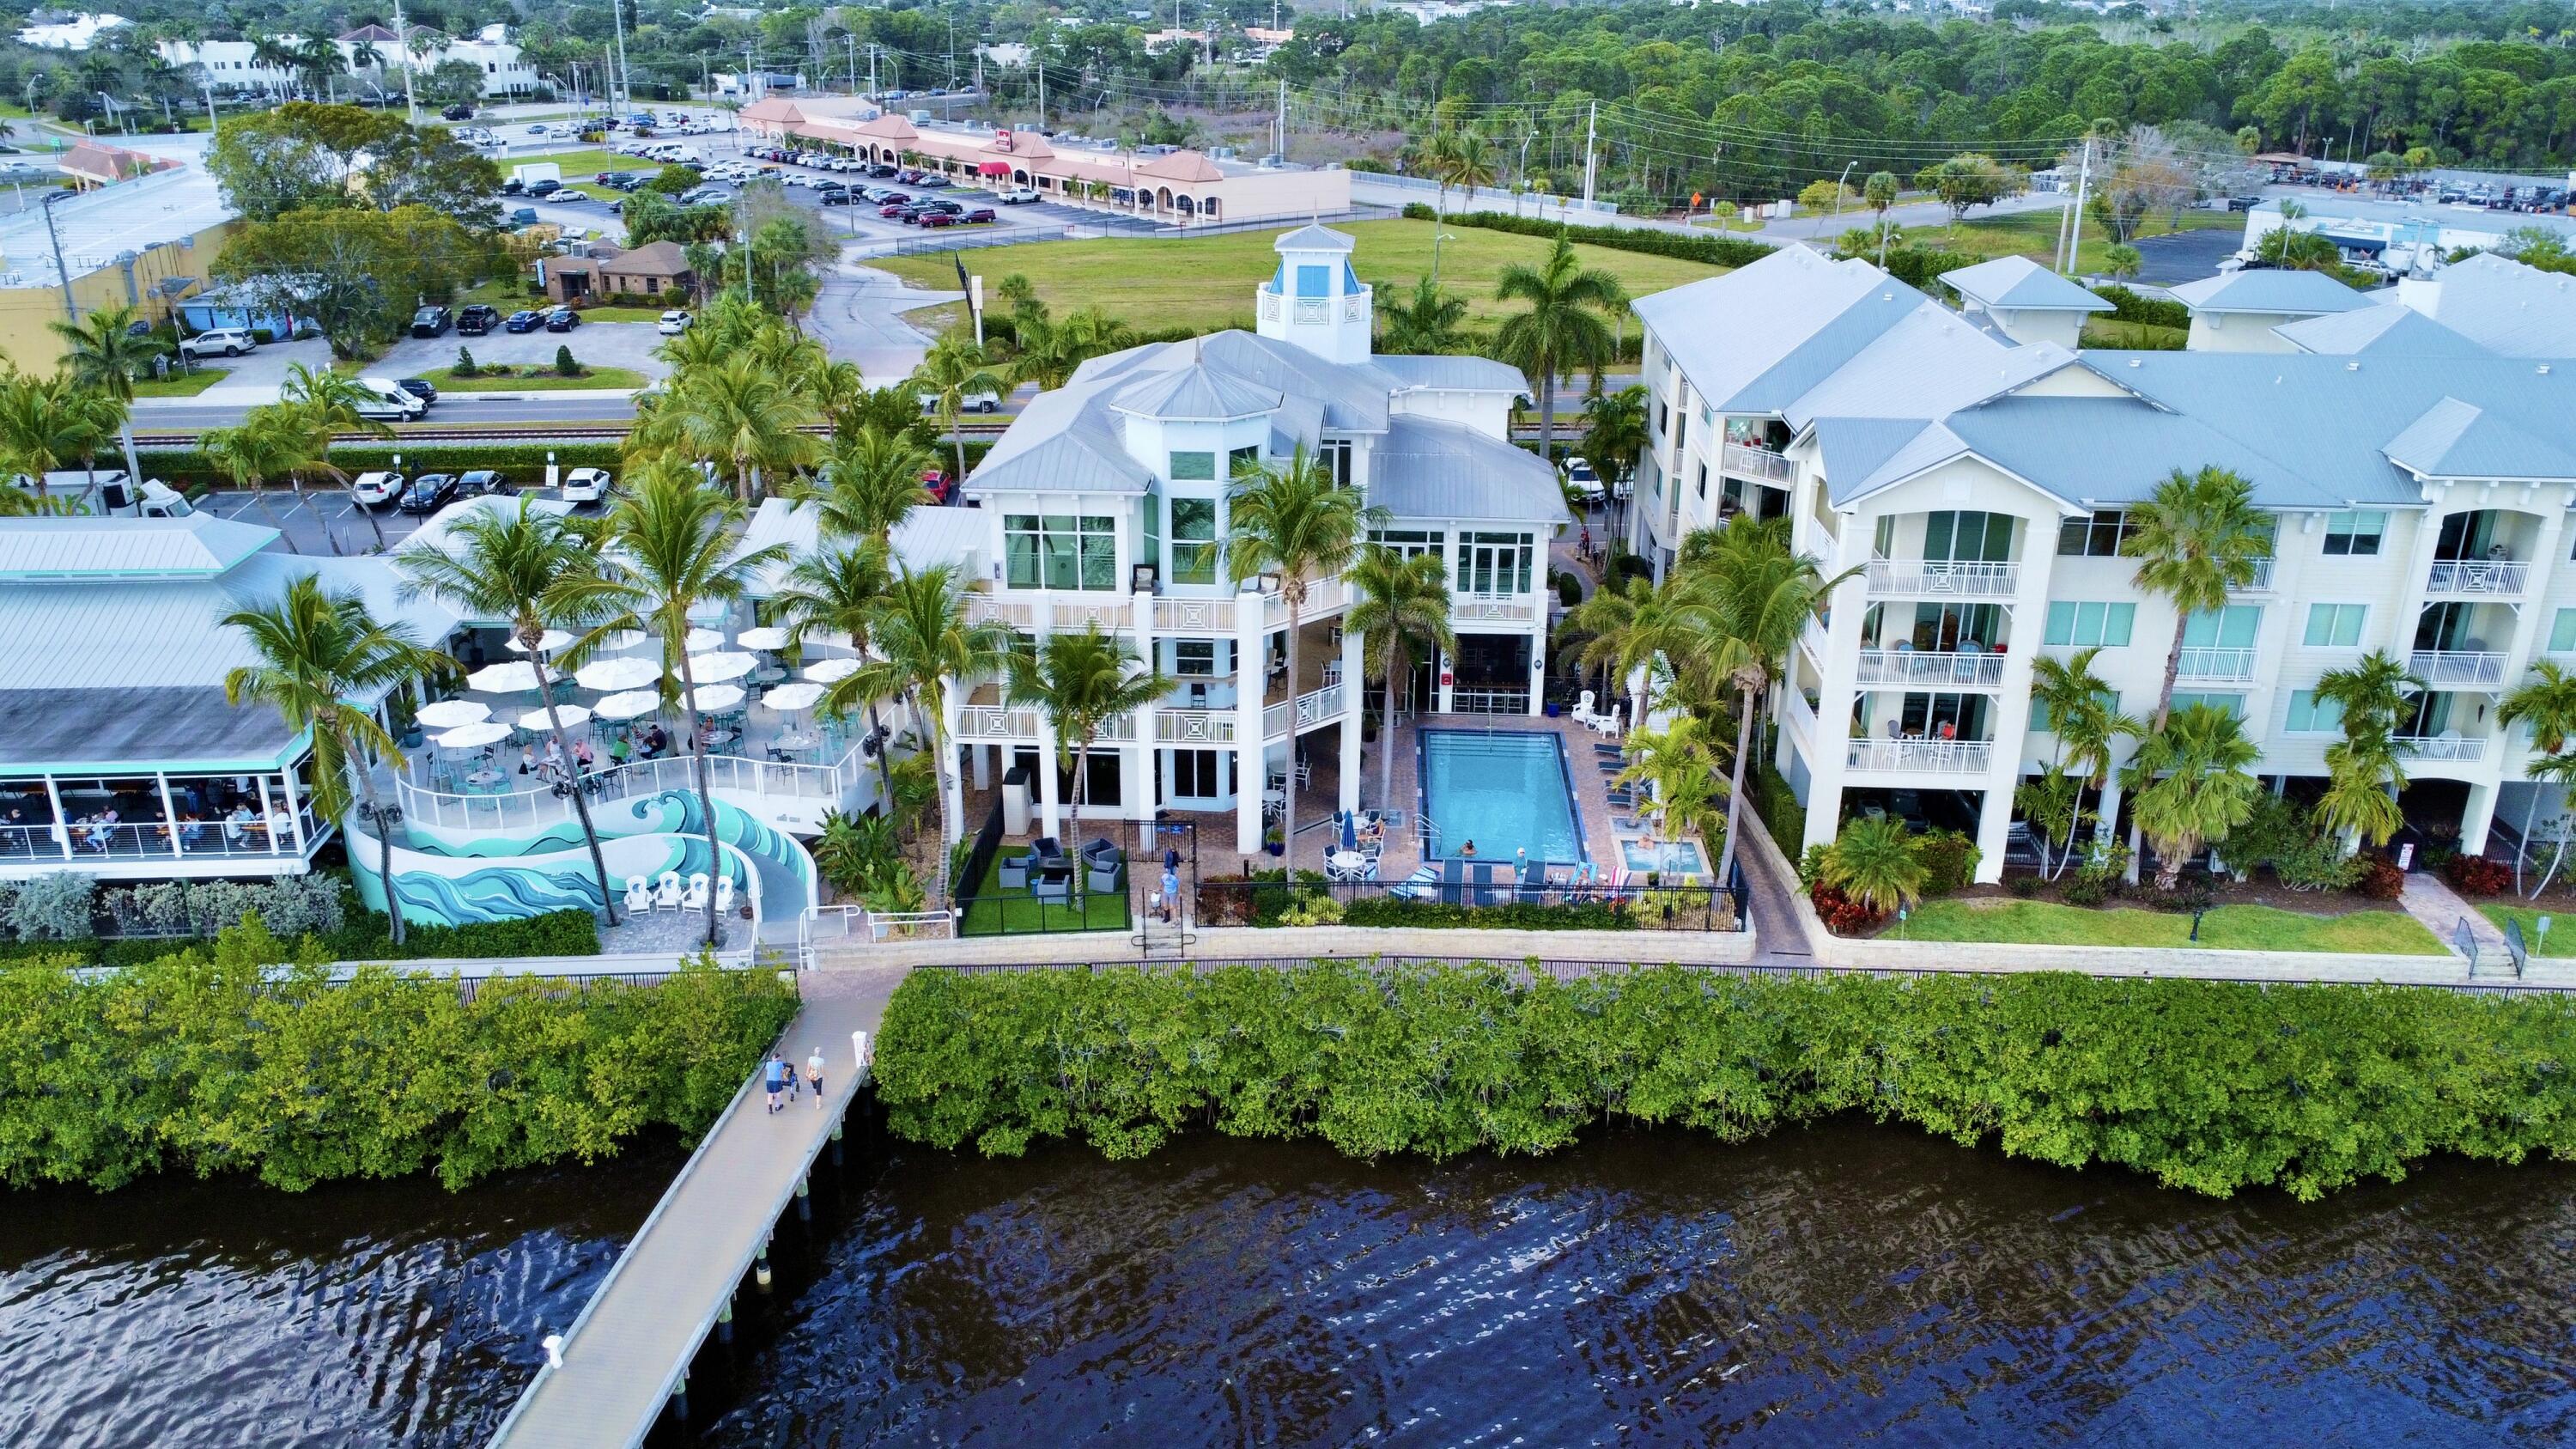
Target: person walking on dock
<point>773,1076</point>
<point>814,1076</point>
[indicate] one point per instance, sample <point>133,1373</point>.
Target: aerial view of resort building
<point>753,725</point>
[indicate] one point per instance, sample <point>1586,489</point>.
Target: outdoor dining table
<point>1346,862</point>
<point>795,743</point>
<point>485,779</point>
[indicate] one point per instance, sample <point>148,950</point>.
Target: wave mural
<point>455,889</point>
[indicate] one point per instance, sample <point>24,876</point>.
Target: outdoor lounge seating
<point>1015,871</point>
<point>695,898</point>
<point>1103,846</point>
<point>666,894</point>
<point>724,895</point>
<point>1048,849</point>
<point>1054,887</point>
<point>639,895</point>
<point>1101,874</point>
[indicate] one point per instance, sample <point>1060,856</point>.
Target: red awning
<point>994,168</point>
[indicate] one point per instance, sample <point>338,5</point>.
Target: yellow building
<point>145,241</point>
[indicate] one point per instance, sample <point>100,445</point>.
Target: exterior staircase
<point>1156,941</point>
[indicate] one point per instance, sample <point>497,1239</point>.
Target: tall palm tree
<point>1433,156</point>
<point>950,373</point>
<point>1642,626</point>
<point>40,430</point>
<point>103,354</point>
<point>1429,321</point>
<point>2199,536</point>
<point>260,447</point>
<point>924,641</point>
<point>2088,727</point>
<point>1614,431</point>
<point>1081,682</point>
<point>2547,705</point>
<point>838,390</point>
<point>322,657</point>
<point>91,420</point>
<point>1050,351</point>
<point>516,565</point>
<point>2191,783</point>
<point>1681,765</point>
<point>739,411</point>
<point>1467,162</point>
<point>1292,519</point>
<point>839,591</point>
<point>1760,597</point>
<point>671,549</point>
<point>2363,769</point>
<point>1402,614</point>
<point>870,480</point>
<point>1564,325</point>
<point>1879,193</point>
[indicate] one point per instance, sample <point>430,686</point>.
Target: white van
<point>160,500</point>
<point>392,404</point>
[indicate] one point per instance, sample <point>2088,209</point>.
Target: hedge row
<point>2210,1086</point>
<point>1722,251</point>
<point>2128,306</point>
<point>207,1061</point>
<point>366,937</point>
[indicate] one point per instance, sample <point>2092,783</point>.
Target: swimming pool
<point>1508,791</point>
<point>1675,857</point>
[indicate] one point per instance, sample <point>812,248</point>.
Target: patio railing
<point>1568,902</point>
<point>548,803</point>
<point>131,840</point>
<point>1489,701</point>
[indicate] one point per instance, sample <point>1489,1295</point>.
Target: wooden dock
<point>630,1349</point>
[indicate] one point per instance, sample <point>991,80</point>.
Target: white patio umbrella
<point>622,640</point>
<point>634,704</point>
<point>717,668</point>
<point>536,720</point>
<point>713,697</point>
<point>552,641</point>
<point>702,640</point>
<point>509,678</point>
<point>792,697</point>
<point>631,672</point>
<point>767,637</point>
<point>447,714</point>
<point>474,736</point>
<point>831,671</point>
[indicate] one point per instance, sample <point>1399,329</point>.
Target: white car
<point>674,323</point>
<point>220,342</point>
<point>585,485</point>
<point>540,129</point>
<point>973,402</point>
<point>1015,195</point>
<point>375,490</point>
<point>1580,476</point>
<point>388,401</point>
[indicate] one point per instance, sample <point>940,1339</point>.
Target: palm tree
<point>2363,768</point>
<point>1642,626</point>
<point>870,481</point>
<point>2191,783</point>
<point>324,405</point>
<point>838,591</point>
<point>1431,321</point>
<point>1081,682</point>
<point>257,449</point>
<point>924,641</point>
<point>1433,156</point>
<point>671,551</point>
<point>103,354</point>
<point>89,420</point>
<point>524,566</point>
<point>1292,519</point>
<point>838,390</point>
<point>1402,613</point>
<point>2546,703</point>
<point>1614,431</point>
<point>1760,598</point>
<point>1880,193</point>
<point>1876,863</point>
<point>1681,765</point>
<point>1467,161</point>
<point>2122,260</point>
<point>39,431</point>
<point>321,655</point>
<point>1050,351</point>
<point>951,372</point>
<point>2087,726</point>
<point>2197,538</point>
<point>740,411</point>
<point>1565,325</point>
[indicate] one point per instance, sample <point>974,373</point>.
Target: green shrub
<point>186,468</point>
<point>1717,251</point>
<point>566,365</point>
<point>464,363</point>
<point>1949,862</point>
<point>2128,306</point>
<point>1514,916</point>
<point>1920,266</point>
<point>1782,815</point>
<point>1569,590</point>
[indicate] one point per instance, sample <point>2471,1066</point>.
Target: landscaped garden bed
<point>2233,927</point>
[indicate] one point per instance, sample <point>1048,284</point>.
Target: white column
<point>1353,688</point>
<point>62,826</point>
<point>951,789</point>
<point>169,816</point>
<point>1050,796</point>
<point>1538,661</point>
<point>1251,682</point>
<point>1137,781</point>
<point>295,812</point>
<point>2478,819</point>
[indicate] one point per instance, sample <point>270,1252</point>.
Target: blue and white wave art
<point>453,890</point>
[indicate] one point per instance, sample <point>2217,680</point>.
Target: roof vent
<point>2352,367</point>
<point>2137,362</point>
<point>2544,369</point>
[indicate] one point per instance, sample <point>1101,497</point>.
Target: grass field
<point>2112,332</point>
<point>2033,234</point>
<point>1206,282</point>
<point>2562,928</point>
<point>2227,928</point>
<point>446,380</point>
<point>993,911</point>
<point>182,384</point>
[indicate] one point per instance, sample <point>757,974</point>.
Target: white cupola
<point>1315,300</point>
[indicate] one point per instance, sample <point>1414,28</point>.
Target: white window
<point>2562,632</point>
<point>2233,704</point>
<point>2309,715</point>
<point>2336,626</point>
<point>2086,625</point>
<point>2355,532</point>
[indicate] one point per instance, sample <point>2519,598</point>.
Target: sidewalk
<point>2441,910</point>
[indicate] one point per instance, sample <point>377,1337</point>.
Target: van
<point>390,402</point>
<point>160,500</point>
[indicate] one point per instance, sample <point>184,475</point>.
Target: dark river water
<point>1846,1284</point>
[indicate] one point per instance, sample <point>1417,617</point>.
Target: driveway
<point>855,316</point>
<point>2185,256</point>
<point>252,378</point>
<point>599,344</point>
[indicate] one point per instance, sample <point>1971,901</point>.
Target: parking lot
<point>597,344</point>
<point>328,521</point>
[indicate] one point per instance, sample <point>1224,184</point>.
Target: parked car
<point>896,211</point>
<point>220,342</point>
<point>540,129</point>
<point>935,181</point>
<point>674,322</point>
<point>478,319</point>
<point>884,171</point>
<point>480,482</point>
<point>431,321</point>
<point>524,321</point>
<point>1017,196</point>
<point>386,401</point>
<point>910,177</point>
<point>429,492</point>
<point>458,112</point>
<point>973,402</point>
<point>544,188</point>
<point>705,196</point>
<point>562,319</point>
<point>514,187</point>
<point>375,490</point>
<point>980,214</point>
<point>419,387</point>
<point>1580,475</point>
<point>524,216</point>
<point>841,196</point>
<point>943,490</point>
<point>931,219</point>
<point>586,485</point>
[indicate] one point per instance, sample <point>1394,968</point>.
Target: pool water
<point>1669,856</point>
<point>1506,790</point>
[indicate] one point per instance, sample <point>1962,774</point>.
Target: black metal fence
<point>1064,905</point>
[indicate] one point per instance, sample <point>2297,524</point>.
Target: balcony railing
<point>131,841</point>
<point>2480,576</point>
<point>1514,608</point>
<point>2444,747</point>
<point>1194,726</point>
<point>1489,701</point>
<point>1948,757</point>
<point>1942,576</point>
<point>1759,463</point>
<point>2262,580</point>
<point>2447,668</point>
<point>1316,707</point>
<point>996,722</point>
<point>1983,670</point>
<point>1194,616</point>
<point>2225,666</point>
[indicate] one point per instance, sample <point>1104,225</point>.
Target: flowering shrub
<point>2382,881</point>
<point>1841,914</point>
<point>2475,875</point>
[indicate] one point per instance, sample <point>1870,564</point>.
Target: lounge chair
<point>724,895</point>
<point>1483,893</point>
<point>1104,846</point>
<point>666,894</point>
<point>639,895</point>
<point>1047,848</point>
<point>1533,884</point>
<point>1056,888</point>
<point>1015,872</point>
<point>695,897</point>
<point>1102,876</point>
<point>1453,882</point>
<point>1413,887</point>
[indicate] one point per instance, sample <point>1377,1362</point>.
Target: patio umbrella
<point>831,671</point>
<point>702,640</point>
<point>613,674</point>
<point>510,678</point>
<point>1350,832</point>
<point>622,640</point>
<point>717,668</point>
<point>634,704</point>
<point>552,641</point>
<point>829,639</point>
<point>769,637</point>
<point>790,697</point>
<point>447,714</point>
<point>713,697</point>
<point>536,720</point>
<point>474,736</point>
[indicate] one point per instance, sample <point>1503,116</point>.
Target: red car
<point>892,210</point>
<point>981,213</point>
<point>936,218</point>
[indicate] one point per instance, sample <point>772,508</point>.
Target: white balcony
<point>2217,666</point>
<point>1760,463</point>
<point>1984,670</point>
<point>1194,726</point>
<point>2261,583</point>
<point>1322,706</point>
<point>1059,609</point>
<point>2477,578</point>
<point>2450,746</point>
<point>2455,668</point>
<point>1942,578</point>
<point>1506,608</point>
<point>1211,616</point>
<point>1942,757</point>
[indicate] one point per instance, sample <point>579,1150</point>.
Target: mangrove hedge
<point>2211,1086</point>
<point>214,1060</point>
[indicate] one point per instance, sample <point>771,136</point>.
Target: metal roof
<point>2021,284</point>
<point>2269,291</point>
<point>2505,306</point>
<point>1313,237</point>
<point>1196,393</point>
<point>1725,332</point>
<point>198,546</point>
<point>2454,439</point>
<point>1432,468</point>
<point>2389,330</point>
<point>1447,372</point>
<point>123,728</point>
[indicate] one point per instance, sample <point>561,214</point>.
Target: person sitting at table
<point>237,822</point>
<point>657,742</point>
<point>192,831</point>
<point>527,760</point>
<point>618,750</point>
<point>582,759</point>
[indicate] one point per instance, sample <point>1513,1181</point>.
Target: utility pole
<point>625,83</point>
<point>71,309</point>
<point>402,49</point>
<point>1838,194</point>
<point>2075,214</point>
<point>872,70</point>
<point>1041,95</point>
<point>1591,129</point>
<point>1279,141</point>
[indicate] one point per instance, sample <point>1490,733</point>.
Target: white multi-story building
<point>234,65</point>
<point>1106,505</point>
<point>1977,482</point>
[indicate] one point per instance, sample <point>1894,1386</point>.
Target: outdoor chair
<point>724,895</point>
<point>695,898</point>
<point>1103,846</point>
<point>1453,882</point>
<point>639,895</point>
<point>1015,872</point>
<point>1048,848</point>
<point>666,894</point>
<point>1102,877</point>
<point>1533,884</point>
<point>1056,888</point>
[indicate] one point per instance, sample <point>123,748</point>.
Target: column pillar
<point>295,812</point>
<point>1050,796</point>
<point>1354,690</point>
<point>1251,682</point>
<point>952,791</point>
<point>1538,664</point>
<point>2106,808</point>
<point>169,815</point>
<point>2478,819</point>
<point>984,757</point>
<point>1138,781</point>
<point>62,830</point>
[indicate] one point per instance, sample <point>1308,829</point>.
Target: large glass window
<point>1967,536</point>
<point>2086,625</point>
<point>2336,626</point>
<point>2310,715</point>
<point>2095,537</point>
<point>1494,563</point>
<point>1240,461</point>
<point>2355,532</point>
<point>2562,632</point>
<point>2230,704</point>
<point>1149,550</point>
<point>1060,551</point>
<point>2232,627</point>
<point>1411,542</point>
<point>1194,540</point>
<point>1195,467</point>
<point>1314,281</point>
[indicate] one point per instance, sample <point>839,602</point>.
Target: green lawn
<point>2562,928</point>
<point>2114,333</point>
<point>581,165</point>
<point>2033,234</point>
<point>446,380</point>
<point>182,384</point>
<point>994,911</point>
<point>1206,282</point>
<point>2230,928</point>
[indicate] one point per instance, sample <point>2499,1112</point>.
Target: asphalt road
<point>451,410</point>
<point>324,522</point>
